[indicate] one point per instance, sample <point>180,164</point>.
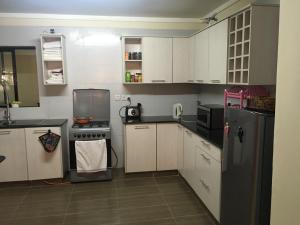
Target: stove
<point>90,103</point>
<point>91,131</point>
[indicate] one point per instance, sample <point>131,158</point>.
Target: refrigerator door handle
<point>225,148</point>
<point>240,134</point>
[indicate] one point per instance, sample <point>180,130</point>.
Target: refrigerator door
<point>240,167</point>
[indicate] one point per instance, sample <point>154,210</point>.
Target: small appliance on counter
<point>177,111</point>
<point>133,112</point>
<point>210,116</point>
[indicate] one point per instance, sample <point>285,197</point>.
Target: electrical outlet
<point>117,97</point>
<point>124,97</point>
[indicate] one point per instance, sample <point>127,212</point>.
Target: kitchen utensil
<point>177,111</point>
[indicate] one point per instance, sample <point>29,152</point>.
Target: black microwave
<point>210,116</point>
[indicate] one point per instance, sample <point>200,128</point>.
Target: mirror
<point>19,69</point>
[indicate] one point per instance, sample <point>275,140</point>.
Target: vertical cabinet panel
<point>140,151</point>
<point>12,146</point>
<point>201,57</point>
<point>181,60</point>
<point>179,146</point>
<point>188,157</point>
<point>166,146</point>
<point>218,35</point>
<point>157,60</point>
<point>42,164</point>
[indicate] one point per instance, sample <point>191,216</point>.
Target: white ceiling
<point>132,8</point>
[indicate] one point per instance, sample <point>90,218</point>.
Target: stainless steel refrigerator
<point>247,167</point>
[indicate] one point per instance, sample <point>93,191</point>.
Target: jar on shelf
<point>127,77</point>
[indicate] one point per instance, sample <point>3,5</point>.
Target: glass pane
<point>27,77</point>
<point>7,75</point>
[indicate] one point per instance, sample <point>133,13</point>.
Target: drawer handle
<point>180,127</point>
<point>206,186</point>
<point>188,132</point>
<point>141,127</point>
<point>205,143</point>
<point>206,158</point>
<point>40,131</point>
<point>158,81</point>
<point>5,132</point>
<point>190,81</point>
<point>199,81</point>
<point>215,81</point>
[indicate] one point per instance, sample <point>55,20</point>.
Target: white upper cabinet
<point>217,60</point>
<point>157,60</point>
<point>182,71</point>
<point>201,57</point>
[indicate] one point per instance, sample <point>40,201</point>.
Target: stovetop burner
<point>92,124</point>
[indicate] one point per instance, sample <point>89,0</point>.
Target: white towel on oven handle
<point>91,156</point>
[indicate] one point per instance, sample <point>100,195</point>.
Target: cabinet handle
<point>158,81</point>
<point>206,159</point>
<point>5,132</point>
<point>190,81</point>
<point>141,127</point>
<point>188,132</point>
<point>180,127</point>
<point>199,81</point>
<point>40,131</point>
<point>215,81</point>
<point>206,186</point>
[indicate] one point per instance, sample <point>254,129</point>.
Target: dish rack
<point>244,95</point>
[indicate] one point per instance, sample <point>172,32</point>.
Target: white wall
<point>98,66</point>
<point>286,161</point>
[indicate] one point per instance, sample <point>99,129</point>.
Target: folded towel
<point>91,156</point>
<point>52,44</point>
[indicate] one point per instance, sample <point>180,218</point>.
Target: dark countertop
<point>33,123</point>
<point>215,137</point>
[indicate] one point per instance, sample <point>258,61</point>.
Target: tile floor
<point>145,199</point>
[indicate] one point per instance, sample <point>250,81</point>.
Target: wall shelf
<point>53,59</point>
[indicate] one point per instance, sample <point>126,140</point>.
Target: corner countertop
<point>33,123</point>
<point>215,137</point>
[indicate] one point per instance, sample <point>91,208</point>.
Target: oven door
<point>203,117</point>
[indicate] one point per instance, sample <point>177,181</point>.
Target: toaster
<point>133,112</point>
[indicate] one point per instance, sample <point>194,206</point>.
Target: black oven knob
<point>88,135</point>
<point>98,135</point>
<point>79,135</point>
<point>94,135</point>
<point>83,135</point>
<point>74,135</point>
<point>103,135</point>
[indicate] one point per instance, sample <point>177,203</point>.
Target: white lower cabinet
<point>179,146</point>
<point>140,148</point>
<point>42,164</point>
<point>188,156</point>
<point>166,146</point>
<point>202,170</point>
<point>12,147</point>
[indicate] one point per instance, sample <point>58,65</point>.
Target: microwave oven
<point>210,116</point>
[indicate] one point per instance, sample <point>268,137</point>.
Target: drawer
<point>208,180</point>
<point>207,147</point>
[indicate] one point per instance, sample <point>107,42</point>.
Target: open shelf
<point>132,60</point>
<point>53,59</point>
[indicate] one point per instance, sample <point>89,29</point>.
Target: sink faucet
<point>4,84</point>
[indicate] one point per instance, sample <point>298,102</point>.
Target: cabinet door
<point>14,167</point>
<point>181,60</point>
<point>157,60</point>
<point>140,153</point>
<point>179,146</point>
<point>188,157</point>
<point>201,57</point>
<point>42,164</point>
<point>218,43</point>
<point>166,146</point>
